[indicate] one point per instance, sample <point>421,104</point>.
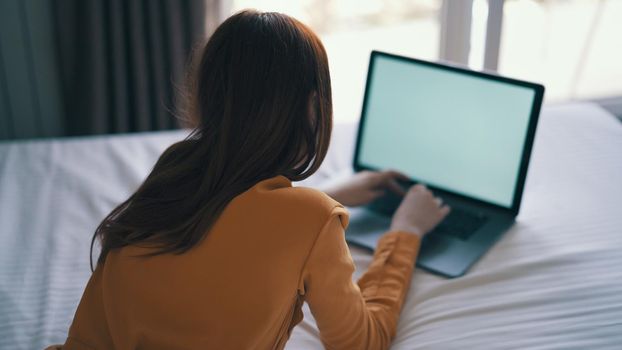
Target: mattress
<point>554,280</point>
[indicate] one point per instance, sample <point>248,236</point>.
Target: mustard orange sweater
<point>273,248</point>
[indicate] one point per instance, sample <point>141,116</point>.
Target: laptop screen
<point>460,132</point>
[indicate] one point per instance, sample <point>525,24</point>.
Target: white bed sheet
<point>554,281</point>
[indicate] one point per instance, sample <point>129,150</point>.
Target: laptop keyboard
<point>460,224</point>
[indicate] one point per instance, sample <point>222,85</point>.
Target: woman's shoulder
<point>278,192</point>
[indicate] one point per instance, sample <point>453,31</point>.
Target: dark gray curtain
<point>122,62</point>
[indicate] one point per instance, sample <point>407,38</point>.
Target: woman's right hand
<point>419,211</point>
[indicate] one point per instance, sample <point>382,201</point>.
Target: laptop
<point>466,135</point>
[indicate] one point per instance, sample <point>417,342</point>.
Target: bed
<point>554,281</point>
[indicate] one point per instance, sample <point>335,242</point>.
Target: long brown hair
<point>260,100</point>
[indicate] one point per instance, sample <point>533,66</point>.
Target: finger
<point>363,174</point>
<point>374,194</point>
<point>382,178</point>
<point>395,187</point>
<point>439,201</point>
<point>419,187</point>
<point>376,178</point>
<point>397,175</point>
<point>445,209</point>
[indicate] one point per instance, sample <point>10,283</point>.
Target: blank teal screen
<point>455,131</point>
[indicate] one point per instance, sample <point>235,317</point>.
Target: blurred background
<point>81,67</point>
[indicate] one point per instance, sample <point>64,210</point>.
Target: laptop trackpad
<point>447,255</point>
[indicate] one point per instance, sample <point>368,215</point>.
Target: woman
<point>216,249</point>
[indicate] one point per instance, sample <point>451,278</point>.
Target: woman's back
<point>239,288</point>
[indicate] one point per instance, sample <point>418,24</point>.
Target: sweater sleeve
<point>362,315</point>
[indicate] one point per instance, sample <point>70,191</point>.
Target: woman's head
<point>252,90</point>
<point>259,100</point>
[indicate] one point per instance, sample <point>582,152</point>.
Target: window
<point>350,29</point>
<point>570,46</point>
<point>574,47</point>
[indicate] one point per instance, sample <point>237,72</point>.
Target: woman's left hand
<point>365,186</point>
